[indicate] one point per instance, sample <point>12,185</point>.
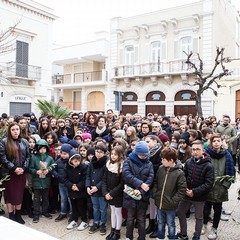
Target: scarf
<point>134,158</point>
<point>154,150</point>
<point>113,167</point>
<point>229,166</point>
<point>100,131</point>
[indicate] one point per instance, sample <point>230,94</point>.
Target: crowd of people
<point>155,167</point>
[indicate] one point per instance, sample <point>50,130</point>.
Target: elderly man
<point>156,128</point>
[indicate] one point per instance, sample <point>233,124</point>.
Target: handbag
<point>130,192</point>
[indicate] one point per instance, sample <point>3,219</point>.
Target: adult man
<point>156,128</point>
<point>199,174</point>
<point>75,124</point>
<point>110,116</point>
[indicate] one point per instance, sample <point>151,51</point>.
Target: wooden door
<point>129,109</point>
<point>155,109</point>
<point>237,110</point>
<point>185,110</point>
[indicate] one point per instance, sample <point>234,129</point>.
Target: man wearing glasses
<point>76,124</point>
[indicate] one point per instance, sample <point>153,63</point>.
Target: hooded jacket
<point>200,177</point>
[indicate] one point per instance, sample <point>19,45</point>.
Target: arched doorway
<point>185,103</point>
<point>237,110</point>
<point>129,103</point>
<point>96,102</point>
<point>155,103</point>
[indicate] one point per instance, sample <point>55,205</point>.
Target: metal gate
<point>17,108</point>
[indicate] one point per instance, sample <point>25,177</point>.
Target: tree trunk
<point>199,104</point>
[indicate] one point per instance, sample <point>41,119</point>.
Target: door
<point>129,109</point>
<point>155,109</point>
<point>19,108</point>
<point>237,110</point>
<point>185,110</point>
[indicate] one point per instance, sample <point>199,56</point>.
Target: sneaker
<point>35,219</point>
<point>204,229</point>
<point>93,228</point>
<point>226,212</point>
<point>72,225</point>
<point>103,229</point>
<point>212,234</point>
<point>224,217</point>
<point>82,226</point>
<point>182,237</point>
<point>47,215</point>
<point>60,217</point>
<point>90,223</point>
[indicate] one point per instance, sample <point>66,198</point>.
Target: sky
<point>80,19</point>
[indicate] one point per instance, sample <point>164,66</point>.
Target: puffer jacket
<point>12,164</point>
<point>95,174</point>
<point>134,175</point>
<point>170,187</point>
<point>76,175</point>
<point>59,170</point>
<point>219,191</point>
<point>200,177</point>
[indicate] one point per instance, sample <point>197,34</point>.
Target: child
<point>138,174</point>
<point>94,188</point>
<point>168,190</point>
<point>40,168</point>
<point>87,138</point>
<point>112,189</point>
<point>59,173</point>
<point>83,151</point>
<point>223,168</point>
<point>75,181</point>
<point>184,150</point>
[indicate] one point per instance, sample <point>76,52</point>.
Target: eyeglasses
<point>174,123</point>
<point>75,118</point>
<point>99,152</point>
<point>155,126</point>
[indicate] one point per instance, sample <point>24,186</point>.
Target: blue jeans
<point>166,217</point>
<point>64,199</point>
<point>99,210</point>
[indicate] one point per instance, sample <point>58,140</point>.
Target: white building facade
<point>25,70</point>
<point>148,61</point>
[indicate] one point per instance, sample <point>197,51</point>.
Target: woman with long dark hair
<point>44,127</point>
<point>14,152</point>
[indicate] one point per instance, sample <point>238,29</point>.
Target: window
<point>185,95</point>
<point>21,59</point>
<point>155,57</point>
<point>129,96</point>
<point>185,46</point>
<point>129,60</point>
<point>155,96</point>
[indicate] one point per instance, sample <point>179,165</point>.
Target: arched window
<point>155,96</point>
<point>185,95</point>
<point>129,97</point>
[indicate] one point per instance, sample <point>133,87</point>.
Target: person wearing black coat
<point>199,174</point>
<point>75,177</point>
<point>138,175</point>
<point>112,188</point>
<point>94,181</point>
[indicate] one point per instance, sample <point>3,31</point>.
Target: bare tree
<point>206,81</point>
<point>7,40</point>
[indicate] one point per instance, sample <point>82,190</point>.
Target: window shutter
<point>121,57</point>
<point>176,53</point>
<point>21,59</point>
<point>195,45</point>
<point>135,55</point>
<point>164,51</point>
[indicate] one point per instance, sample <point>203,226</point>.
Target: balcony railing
<point>152,68</point>
<point>84,77</point>
<point>18,70</point>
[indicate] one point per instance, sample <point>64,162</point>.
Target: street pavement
<point>228,230</point>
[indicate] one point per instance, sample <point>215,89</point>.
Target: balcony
<point>152,69</point>
<point>17,71</point>
<point>80,78</point>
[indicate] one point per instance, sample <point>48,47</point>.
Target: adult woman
<point>131,133</point>
<point>14,152</point>
<point>101,129</point>
<point>90,123</point>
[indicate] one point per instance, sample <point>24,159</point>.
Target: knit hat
<point>120,133</point>
<point>163,137</point>
<point>73,143</point>
<point>86,135</point>
<point>66,148</point>
<point>141,149</point>
<point>90,151</point>
<point>185,138</point>
<point>63,139</point>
